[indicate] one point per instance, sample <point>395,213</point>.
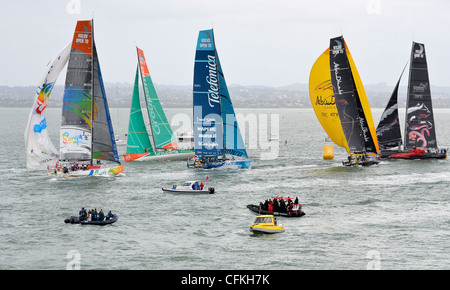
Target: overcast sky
<point>260,42</point>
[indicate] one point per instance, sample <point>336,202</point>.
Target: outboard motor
<point>72,220</point>
<point>211,190</point>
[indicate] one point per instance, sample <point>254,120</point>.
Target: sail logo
<point>205,43</point>
<point>213,81</point>
<point>43,95</point>
<point>41,126</point>
<point>419,53</point>
<point>327,101</point>
<point>337,77</point>
<point>362,123</point>
<point>337,49</point>
<point>66,139</point>
<point>420,88</point>
<point>82,38</point>
<point>143,63</point>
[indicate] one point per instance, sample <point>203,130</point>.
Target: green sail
<point>138,140</point>
<point>162,132</point>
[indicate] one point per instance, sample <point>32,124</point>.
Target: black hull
<point>254,208</point>
<point>76,220</point>
<point>366,163</point>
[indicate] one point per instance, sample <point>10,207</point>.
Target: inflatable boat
<point>105,221</point>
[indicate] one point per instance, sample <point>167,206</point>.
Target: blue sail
<point>207,123</point>
<point>233,142</point>
<point>112,139</point>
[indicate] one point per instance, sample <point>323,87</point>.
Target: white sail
<point>40,150</point>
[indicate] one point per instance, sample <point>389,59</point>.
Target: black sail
<point>419,125</point>
<point>348,105</point>
<point>388,130</point>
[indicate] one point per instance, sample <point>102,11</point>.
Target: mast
<point>92,91</point>
<point>218,90</point>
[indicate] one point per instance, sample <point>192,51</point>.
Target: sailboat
<point>160,144</point>
<point>217,139</point>
<point>341,106</point>
<point>420,133</point>
<point>86,131</point>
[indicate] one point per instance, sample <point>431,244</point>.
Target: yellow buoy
<point>328,152</point>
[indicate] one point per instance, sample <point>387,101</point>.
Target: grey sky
<point>260,42</point>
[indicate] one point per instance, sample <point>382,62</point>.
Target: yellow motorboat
<point>266,224</point>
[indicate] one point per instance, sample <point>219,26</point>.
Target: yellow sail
<point>363,99</point>
<point>322,100</point>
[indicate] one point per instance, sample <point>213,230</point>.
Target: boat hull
<point>362,163</point>
<point>102,171</point>
<point>417,156</point>
<point>235,164</point>
<point>390,154</point>
<point>362,160</point>
<point>160,156</point>
<point>267,229</point>
<point>254,208</point>
<point>210,190</point>
<point>76,220</point>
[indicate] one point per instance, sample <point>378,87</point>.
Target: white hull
<point>163,157</point>
<point>104,171</point>
<point>199,191</point>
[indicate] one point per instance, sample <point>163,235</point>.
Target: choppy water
<point>395,215</point>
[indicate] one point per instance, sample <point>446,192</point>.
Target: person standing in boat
<point>101,215</point>
<point>95,215</point>
<point>82,214</point>
<point>109,215</point>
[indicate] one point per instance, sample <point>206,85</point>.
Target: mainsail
<point>86,129</point>
<point>207,123</point>
<point>419,125</point>
<point>351,100</point>
<point>388,130</point>
<point>216,131</point>
<point>138,141</point>
<point>39,148</point>
<point>161,131</point>
<point>162,142</point>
